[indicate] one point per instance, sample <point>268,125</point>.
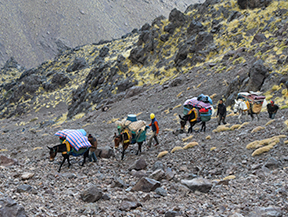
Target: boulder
<point>146,185</point>
<point>161,191</point>
<point>60,79</point>
<point>177,17</point>
<point>129,205</point>
<point>10,208</point>
<point>79,63</point>
<point>257,74</point>
<point>198,184</point>
<point>91,194</point>
<point>272,163</point>
<point>158,165</point>
<point>139,165</point>
<point>258,38</point>
<point>118,183</point>
<point>158,175</point>
<point>5,161</point>
<point>252,4</point>
<point>24,188</point>
<point>27,175</point>
<point>105,152</point>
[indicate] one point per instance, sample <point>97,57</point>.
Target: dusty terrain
<point>58,194</point>
<point>154,70</point>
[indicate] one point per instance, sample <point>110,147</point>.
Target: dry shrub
<point>208,137</point>
<point>286,142</point>
<point>221,128</point>
<point>213,95</point>
<point>187,138</point>
<point>162,154</point>
<point>190,145</point>
<point>260,143</point>
<point>229,177</point>
<point>244,124</point>
<point>212,149</point>
<point>269,122</point>
<point>176,148</point>
<point>235,127</point>
<point>262,150</point>
<point>256,129</point>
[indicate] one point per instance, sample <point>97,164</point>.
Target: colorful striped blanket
<point>75,138</point>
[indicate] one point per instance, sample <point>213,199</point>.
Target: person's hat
<point>89,136</point>
<point>272,102</point>
<point>152,116</point>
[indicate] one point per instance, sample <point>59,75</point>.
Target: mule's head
<point>117,140</point>
<point>236,106</point>
<point>182,122</point>
<point>52,153</point>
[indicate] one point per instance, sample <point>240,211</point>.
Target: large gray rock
<point>128,205</point>
<point>10,208</point>
<point>198,184</point>
<point>139,165</point>
<point>158,175</point>
<point>105,152</point>
<point>257,74</point>
<point>146,185</point>
<point>5,161</point>
<point>91,194</point>
<point>272,163</point>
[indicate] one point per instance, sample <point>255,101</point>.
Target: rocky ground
<point>154,69</point>
<point>254,186</point>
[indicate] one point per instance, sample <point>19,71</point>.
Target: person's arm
<point>157,127</point>
<point>217,110</point>
<point>225,110</point>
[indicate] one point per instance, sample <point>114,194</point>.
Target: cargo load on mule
<point>254,100</point>
<point>136,129</point>
<point>203,105</point>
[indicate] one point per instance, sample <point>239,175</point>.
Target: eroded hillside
<point>33,32</point>
<point>226,49</point>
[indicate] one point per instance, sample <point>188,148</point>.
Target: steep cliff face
<point>35,31</point>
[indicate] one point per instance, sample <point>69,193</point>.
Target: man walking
<point>155,129</point>
<point>221,112</point>
<point>272,109</point>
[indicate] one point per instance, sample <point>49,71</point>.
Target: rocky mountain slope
<point>216,48</point>
<point>34,32</point>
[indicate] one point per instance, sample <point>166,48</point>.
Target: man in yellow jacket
<point>155,128</point>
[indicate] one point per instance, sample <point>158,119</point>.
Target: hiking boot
<point>156,144</point>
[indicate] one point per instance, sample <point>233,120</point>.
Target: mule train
<point>249,104</point>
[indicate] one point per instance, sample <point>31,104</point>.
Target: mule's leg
<point>192,124</point>
<point>258,118</point>
<point>64,158</point>
<point>139,148</point>
<point>125,146</point>
<point>203,126</point>
<point>84,157</point>
<point>239,117</point>
<point>68,159</point>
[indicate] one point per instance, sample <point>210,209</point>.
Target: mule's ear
<point>235,100</point>
<point>115,135</point>
<point>49,148</point>
<point>180,117</point>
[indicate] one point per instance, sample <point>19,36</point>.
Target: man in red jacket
<point>155,128</point>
